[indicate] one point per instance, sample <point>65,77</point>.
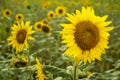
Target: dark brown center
<point>45,29</point>
<point>86,35</point>
<point>21,35</point>
<point>51,15</point>
<point>19,17</point>
<point>44,21</point>
<point>60,11</point>
<point>39,26</point>
<point>7,12</point>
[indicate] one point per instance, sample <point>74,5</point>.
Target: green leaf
<point>56,71</point>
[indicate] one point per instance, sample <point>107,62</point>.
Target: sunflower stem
<point>74,71</point>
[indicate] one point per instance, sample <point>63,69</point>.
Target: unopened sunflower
<point>51,14</point>
<point>40,75</point>
<point>21,33</point>
<point>86,36</point>
<point>60,10</point>
<point>19,17</point>
<point>7,12</point>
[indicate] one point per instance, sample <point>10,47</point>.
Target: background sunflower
<point>38,25</point>
<point>7,12</point>
<point>51,14</point>
<point>60,10</point>
<point>19,17</point>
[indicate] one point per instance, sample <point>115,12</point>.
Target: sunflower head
<point>86,35</point>
<point>46,28</point>
<point>39,72</point>
<point>21,33</point>
<point>51,14</point>
<point>19,17</point>
<point>25,3</point>
<point>21,61</point>
<point>38,26</point>
<point>44,21</point>
<point>60,10</point>
<point>7,12</point>
<point>46,5</point>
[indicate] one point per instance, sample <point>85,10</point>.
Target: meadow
<point>59,40</point>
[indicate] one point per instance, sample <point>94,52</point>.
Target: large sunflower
<point>40,75</point>
<point>86,36</point>
<point>20,34</point>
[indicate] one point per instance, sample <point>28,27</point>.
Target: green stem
<point>74,72</point>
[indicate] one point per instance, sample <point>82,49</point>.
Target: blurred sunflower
<point>46,5</point>
<point>20,34</point>
<point>19,17</point>
<point>51,14</point>
<point>25,3</point>
<point>86,36</point>
<point>60,11</point>
<point>44,21</point>
<point>40,75</point>
<point>16,23</point>
<point>7,13</point>
<point>38,26</point>
<point>46,28</point>
<point>21,61</point>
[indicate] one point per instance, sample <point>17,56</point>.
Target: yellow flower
<point>51,14</point>
<point>86,36</point>
<point>7,12</point>
<point>60,11</point>
<point>38,26</point>
<point>25,3</point>
<point>40,75</point>
<point>46,28</point>
<point>46,5</point>
<point>20,34</point>
<point>44,21</point>
<point>19,17</point>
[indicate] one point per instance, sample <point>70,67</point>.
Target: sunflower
<point>86,36</point>
<point>19,17</point>
<point>7,12</point>
<point>20,34</point>
<point>46,28</point>
<point>38,26</point>
<point>25,3</point>
<point>21,61</point>
<point>51,14</point>
<point>46,5</point>
<point>40,75</point>
<point>60,11</point>
<point>44,21</point>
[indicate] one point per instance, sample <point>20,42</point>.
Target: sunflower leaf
<point>56,71</point>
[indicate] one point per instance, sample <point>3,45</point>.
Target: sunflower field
<point>59,40</point>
